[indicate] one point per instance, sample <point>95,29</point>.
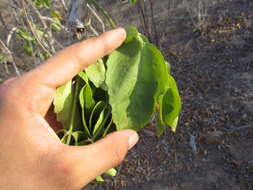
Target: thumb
<point>92,160</point>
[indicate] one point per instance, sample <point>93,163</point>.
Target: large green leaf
<point>63,103</point>
<point>136,76</point>
<point>96,73</point>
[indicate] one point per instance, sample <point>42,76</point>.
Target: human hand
<point>31,155</point>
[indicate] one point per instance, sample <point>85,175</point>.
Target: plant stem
<point>73,113</point>
<point>104,12</point>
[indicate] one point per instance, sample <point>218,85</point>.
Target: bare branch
<point>96,16</point>
<point>34,32</point>
<point>8,53</point>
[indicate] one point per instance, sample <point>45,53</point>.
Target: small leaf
<point>38,3</point>
<point>47,3</point>
<point>79,136</point>
<point>95,115</point>
<point>100,127</point>
<point>56,27</point>
<point>2,58</point>
<point>96,73</point>
<point>111,172</point>
<point>171,105</point>
<point>99,179</point>
<point>24,34</point>
<point>108,127</point>
<point>28,48</point>
<point>56,14</point>
<point>133,1</point>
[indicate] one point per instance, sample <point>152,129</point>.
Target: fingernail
<point>133,139</point>
<point>120,30</point>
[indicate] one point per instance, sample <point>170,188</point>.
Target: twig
<point>93,30</point>
<point>64,5</point>
<point>104,12</point>
<point>37,12</point>
<point>33,32</point>
<point>10,57</point>
<point>52,20</point>
<point>96,16</point>
<point>9,37</point>
<point>2,20</point>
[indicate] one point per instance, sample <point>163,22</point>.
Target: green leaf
<point>96,73</point>
<point>65,106</point>
<point>133,1</point>
<point>95,115</point>
<point>160,127</point>
<point>100,127</point>
<point>56,14</point>
<point>24,34</point>
<point>86,99</point>
<point>84,77</point>
<point>38,3</point>
<point>63,103</point>
<point>56,27</point>
<point>132,33</point>
<point>136,76</point>
<point>99,179</point>
<point>171,105</point>
<point>108,127</point>
<point>2,58</point>
<point>28,47</point>
<point>111,172</point>
<point>47,3</point>
<point>87,104</point>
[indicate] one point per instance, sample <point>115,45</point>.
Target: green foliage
<point>42,3</point>
<point>2,58</point>
<point>133,1</point>
<point>23,33</point>
<point>122,91</point>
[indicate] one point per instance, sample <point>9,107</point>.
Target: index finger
<point>70,61</point>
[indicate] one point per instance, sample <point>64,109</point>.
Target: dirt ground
<point>213,146</point>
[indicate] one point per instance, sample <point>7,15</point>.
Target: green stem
<point>104,12</point>
<point>73,113</point>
